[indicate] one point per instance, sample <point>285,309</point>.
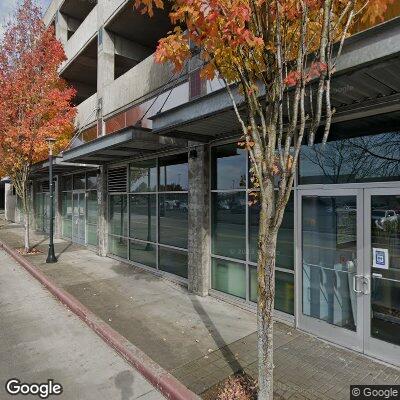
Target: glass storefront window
<point>229,277</point>
<point>66,183</point>
<point>373,158</point>
<point>79,181</point>
<point>91,217</point>
<point>174,175</point>
<point>118,246</point>
<point>234,230</point>
<point>66,214</point>
<point>143,253</point>
<point>173,225</point>
<point>284,290</point>
<point>143,176</point>
<point>173,261</point>
<point>142,208</point>
<point>118,215</point>
<point>229,167</point>
<point>158,214</point>
<point>285,244</point>
<point>91,180</point>
<point>229,225</point>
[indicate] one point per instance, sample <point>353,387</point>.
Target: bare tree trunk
<point>265,308</point>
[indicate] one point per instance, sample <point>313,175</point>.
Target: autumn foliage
<point>35,103</point>
<point>276,59</point>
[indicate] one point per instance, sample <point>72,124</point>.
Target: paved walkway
<point>200,340</point>
<point>40,339</point>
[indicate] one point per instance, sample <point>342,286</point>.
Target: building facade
<point>154,177</point>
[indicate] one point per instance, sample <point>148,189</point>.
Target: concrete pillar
<point>105,70</point>
<point>102,224</point>
<point>61,28</point>
<point>57,208</point>
<point>10,203</point>
<point>199,220</point>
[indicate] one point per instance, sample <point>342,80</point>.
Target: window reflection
<point>118,215</point>
<point>143,176</point>
<point>174,173</point>
<point>229,225</point>
<point>173,209</point>
<point>142,209</point>
<point>329,233</point>
<point>360,159</point>
<point>229,166</point>
<point>385,285</point>
<point>285,244</point>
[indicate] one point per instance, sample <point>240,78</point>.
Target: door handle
<point>355,277</point>
<point>367,283</point>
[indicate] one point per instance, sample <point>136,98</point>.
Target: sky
<point>8,6</point>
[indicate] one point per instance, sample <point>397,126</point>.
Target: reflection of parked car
<point>170,204</point>
<point>382,217</point>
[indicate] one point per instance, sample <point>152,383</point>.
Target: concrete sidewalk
<point>40,339</point>
<point>199,340</point>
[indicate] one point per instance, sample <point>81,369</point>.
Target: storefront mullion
<point>156,212</point>
<point>234,223</point>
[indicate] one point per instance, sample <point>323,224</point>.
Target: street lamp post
<point>51,257</point>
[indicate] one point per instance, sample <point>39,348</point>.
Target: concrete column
<point>10,203</point>
<point>102,207</point>
<point>57,208</point>
<point>61,28</point>
<point>198,219</point>
<point>105,70</point>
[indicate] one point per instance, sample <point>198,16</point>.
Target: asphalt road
<point>40,339</point>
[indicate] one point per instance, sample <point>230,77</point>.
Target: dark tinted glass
<point>142,210</point>
<point>173,213</point>
<point>173,261</point>
<point>66,182</point>
<point>79,181</point>
<point>91,180</point>
<point>229,224</point>
<point>143,253</point>
<point>118,246</point>
<point>143,176</point>
<point>174,173</point>
<point>228,167</point>
<point>118,215</point>
<point>361,159</point>
<point>285,244</point>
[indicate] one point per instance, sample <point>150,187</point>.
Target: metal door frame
<point>320,328</point>
<point>75,238</point>
<point>374,347</point>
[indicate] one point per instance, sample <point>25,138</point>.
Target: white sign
<point>381,258</point>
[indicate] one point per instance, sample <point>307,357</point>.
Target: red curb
<point>168,385</point>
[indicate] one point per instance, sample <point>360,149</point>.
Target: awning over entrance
<point>59,167</point>
<point>366,83</point>
<point>135,142</point>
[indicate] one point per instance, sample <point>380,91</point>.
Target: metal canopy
<point>59,167</point>
<point>366,83</point>
<point>134,142</point>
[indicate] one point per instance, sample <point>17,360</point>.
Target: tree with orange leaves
<point>276,59</point>
<point>35,102</point>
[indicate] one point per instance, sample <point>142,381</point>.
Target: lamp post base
<point>51,257</point>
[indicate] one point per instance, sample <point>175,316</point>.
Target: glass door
<point>329,274</point>
<point>382,274</point>
<point>78,217</point>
